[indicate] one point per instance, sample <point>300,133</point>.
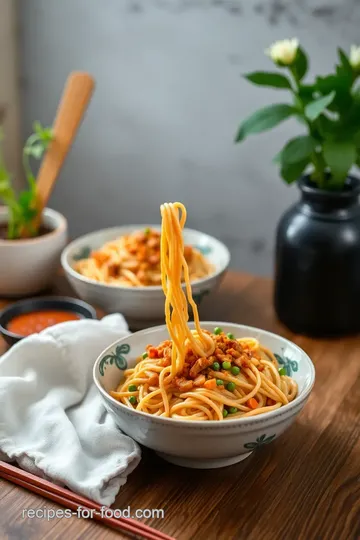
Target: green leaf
<point>316,107</point>
<point>6,192</point>
<point>34,138</point>
<point>327,84</point>
<point>26,199</point>
<point>47,136</point>
<point>297,150</point>
<point>356,91</point>
<point>29,214</point>
<point>37,127</point>
<point>344,69</point>
<point>300,66</point>
<point>4,178</point>
<point>291,173</point>
<point>36,151</point>
<point>40,135</point>
<point>328,129</point>
<point>264,119</point>
<point>344,60</point>
<point>265,78</point>
<point>306,93</point>
<point>340,84</point>
<point>339,156</point>
<point>277,158</point>
<point>304,96</point>
<point>357,139</point>
<point>307,89</point>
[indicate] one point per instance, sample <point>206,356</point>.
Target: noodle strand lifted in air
<point>173,265</point>
<point>198,375</point>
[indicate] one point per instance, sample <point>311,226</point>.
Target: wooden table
<point>306,485</point>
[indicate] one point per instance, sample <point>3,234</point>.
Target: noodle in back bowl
<point>202,444</point>
<point>142,306</point>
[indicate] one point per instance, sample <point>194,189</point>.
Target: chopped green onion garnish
<point>230,335</point>
<point>216,366</point>
<point>132,400</point>
<point>282,371</point>
<point>226,365</point>
<point>225,413</point>
<point>235,370</point>
<point>218,330</point>
<point>231,386</point>
<point>219,382</point>
<point>233,410</point>
<point>132,388</point>
<point>144,355</point>
<point>147,230</point>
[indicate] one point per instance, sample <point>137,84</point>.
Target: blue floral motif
<point>116,357</point>
<point>289,365</point>
<point>84,253</point>
<point>204,250</point>
<point>260,441</point>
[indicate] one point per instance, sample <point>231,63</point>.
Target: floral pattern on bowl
<point>260,441</point>
<point>84,253</point>
<point>290,366</point>
<point>117,357</point>
<point>204,250</point>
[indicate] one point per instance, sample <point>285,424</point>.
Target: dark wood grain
<point>306,485</point>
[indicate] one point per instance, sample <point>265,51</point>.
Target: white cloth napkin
<point>52,421</point>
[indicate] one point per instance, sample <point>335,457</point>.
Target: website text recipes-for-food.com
<point>49,514</point>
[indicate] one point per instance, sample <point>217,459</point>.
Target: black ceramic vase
<point>317,275</point>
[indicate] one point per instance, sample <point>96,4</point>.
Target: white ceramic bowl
<point>28,266</point>
<point>140,305</point>
<point>202,444</point>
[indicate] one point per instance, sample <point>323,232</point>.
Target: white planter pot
<point>28,266</point>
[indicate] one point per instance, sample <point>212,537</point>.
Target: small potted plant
<point>317,274</point>
<point>29,253</point>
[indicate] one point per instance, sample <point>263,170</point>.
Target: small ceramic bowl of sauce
<point>33,315</point>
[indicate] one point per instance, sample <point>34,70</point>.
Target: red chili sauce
<point>32,323</point>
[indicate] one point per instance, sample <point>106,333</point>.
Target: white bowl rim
<point>203,423</point>
<point>59,219</point>
<point>66,266</point>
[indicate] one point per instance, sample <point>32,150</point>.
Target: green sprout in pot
<point>22,207</point>
<point>327,108</point>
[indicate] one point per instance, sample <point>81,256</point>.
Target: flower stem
<point>319,173</point>
<point>29,174</point>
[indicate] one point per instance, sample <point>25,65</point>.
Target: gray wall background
<point>168,102</point>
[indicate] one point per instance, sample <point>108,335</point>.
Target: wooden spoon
<point>75,99</point>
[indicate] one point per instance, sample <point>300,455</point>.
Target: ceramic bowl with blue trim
<point>203,444</point>
<point>141,306</point>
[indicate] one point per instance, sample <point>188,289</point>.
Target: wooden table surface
<point>305,485</point>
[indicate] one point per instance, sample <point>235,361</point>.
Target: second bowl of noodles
<point>118,270</point>
<point>221,409</point>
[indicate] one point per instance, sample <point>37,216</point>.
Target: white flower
<point>355,57</point>
<point>283,52</point>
